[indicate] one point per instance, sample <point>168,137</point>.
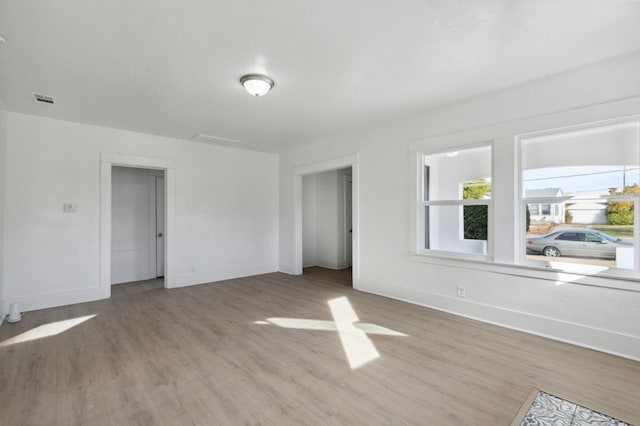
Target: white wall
<point>323,236</point>
<point>133,242</point>
<point>226,205</point>
<point>599,317</point>
<point>3,150</point>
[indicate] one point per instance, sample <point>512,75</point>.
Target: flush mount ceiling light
<point>453,154</point>
<point>256,84</point>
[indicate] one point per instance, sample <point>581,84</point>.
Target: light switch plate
<point>70,207</point>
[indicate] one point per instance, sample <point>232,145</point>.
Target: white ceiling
<point>172,67</point>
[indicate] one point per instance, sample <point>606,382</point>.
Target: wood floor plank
<point>214,354</point>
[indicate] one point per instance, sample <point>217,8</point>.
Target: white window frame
<point>421,204</point>
<point>507,242</point>
<point>557,263</point>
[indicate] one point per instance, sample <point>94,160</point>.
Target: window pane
<point>474,224</point>
<point>461,229</point>
<point>458,175</point>
<point>581,170</point>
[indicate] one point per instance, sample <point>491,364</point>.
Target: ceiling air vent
<point>201,137</point>
<point>43,98</point>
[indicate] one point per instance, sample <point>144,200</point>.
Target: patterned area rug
<point>544,409</point>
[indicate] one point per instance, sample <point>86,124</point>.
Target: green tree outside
<point>475,217</point>
<point>475,189</point>
<point>621,212</point>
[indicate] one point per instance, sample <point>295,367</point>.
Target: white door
<point>159,227</point>
<point>348,220</point>
<point>133,223</point>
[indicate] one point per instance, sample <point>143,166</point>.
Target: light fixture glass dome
<point>256,84</point>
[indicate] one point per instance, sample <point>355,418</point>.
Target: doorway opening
<point>162,168</point>
<point>137,227</point>
<point>327,225</point>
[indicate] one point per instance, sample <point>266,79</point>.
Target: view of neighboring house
<point>566,210</point>
<point>554,212</point>
<point>588,211</point>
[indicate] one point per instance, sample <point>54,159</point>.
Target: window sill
<point>622,280</point>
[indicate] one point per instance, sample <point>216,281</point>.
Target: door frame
<point>107,162</point>
<point>348,254</point>
<point>317,167</point>
<point>155,225</point>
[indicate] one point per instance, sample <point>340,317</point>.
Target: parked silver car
<point>576,242</point>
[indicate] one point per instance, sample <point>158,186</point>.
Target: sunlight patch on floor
<point>46,330</point>
<point>307,324</point>
<point>358,348</point>
<point>303,324</point>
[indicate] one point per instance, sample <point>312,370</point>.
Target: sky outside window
<point>581,181</point>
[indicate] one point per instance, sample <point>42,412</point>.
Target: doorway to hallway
<point>327,229</point>
<point>137,224</point>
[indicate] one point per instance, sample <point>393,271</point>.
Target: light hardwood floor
<point>341,276</point>
<point>196,355</point>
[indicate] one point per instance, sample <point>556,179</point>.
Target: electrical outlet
<point>70,207</point>
<point>462,291</point>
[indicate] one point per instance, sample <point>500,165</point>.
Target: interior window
<point>456,200</point>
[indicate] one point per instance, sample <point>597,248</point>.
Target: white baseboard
<point>225,274</point>
<point>331,264</point>
<point>624,345</point>
<point>51,300</point>
<point>620,344</point>
<point>70,297</point>
<point>285,268</point>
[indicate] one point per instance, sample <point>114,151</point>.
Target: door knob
<point>160,234</point>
